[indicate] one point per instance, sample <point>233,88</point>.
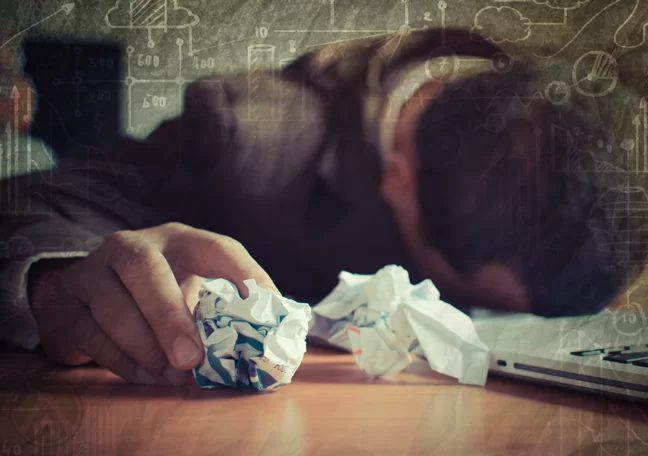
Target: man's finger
<point>147,276</point>
<point>95,343</point>
<point>117,314</point>
<point>214,256</point>
<point>189,284</point>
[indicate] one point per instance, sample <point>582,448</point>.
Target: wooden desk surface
<point>329,409</point>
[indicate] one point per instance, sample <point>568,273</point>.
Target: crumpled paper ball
<point>257,342</point>
<point>386,322</point>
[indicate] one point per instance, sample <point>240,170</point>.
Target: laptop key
<point>628,356</point>
<point>612,351</point>
<point>600,351</point>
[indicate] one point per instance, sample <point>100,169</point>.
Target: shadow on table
<point>118,388</point>
<point>350,374</point>
<point>345,371</point>
<point>326,365</point>
<point>43,376</point>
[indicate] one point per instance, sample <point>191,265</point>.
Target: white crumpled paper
<point>257,342</point>
<point>385,321</point>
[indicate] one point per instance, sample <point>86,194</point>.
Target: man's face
<point>492,285</point>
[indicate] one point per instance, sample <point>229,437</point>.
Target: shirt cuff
<point>18,325</point>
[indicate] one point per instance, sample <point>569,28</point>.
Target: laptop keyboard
<point>636,355</point>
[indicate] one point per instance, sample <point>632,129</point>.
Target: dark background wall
<point>166,42</point>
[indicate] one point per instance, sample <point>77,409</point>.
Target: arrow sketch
<point>66,8</point>
<point>8,155</point>
<point>644,106</point>
<point>332,6</point>
<point>636,122</point>
<point>15,96</point>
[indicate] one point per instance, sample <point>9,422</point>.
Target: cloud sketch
<point>489,20</point>
<point>150,14</point>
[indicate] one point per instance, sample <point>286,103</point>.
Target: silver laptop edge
<point>542,350</point>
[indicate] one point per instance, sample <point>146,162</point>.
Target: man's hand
<point>127,305</point>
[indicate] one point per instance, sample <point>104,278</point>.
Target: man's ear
<point>398,180</point>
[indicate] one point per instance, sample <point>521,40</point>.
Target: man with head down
<point>352,157</point>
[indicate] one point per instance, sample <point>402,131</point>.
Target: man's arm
<point>69,211</point>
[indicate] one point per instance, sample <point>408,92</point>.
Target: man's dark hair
<point>509,177</point>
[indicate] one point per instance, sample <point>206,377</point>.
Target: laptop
<point>606,353</point>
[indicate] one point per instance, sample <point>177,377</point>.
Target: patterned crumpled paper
<point>386,322</point>
<point>257,342</point>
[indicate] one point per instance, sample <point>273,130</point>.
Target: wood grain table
<point>329,409</point>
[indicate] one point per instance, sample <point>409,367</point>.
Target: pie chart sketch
<point>558,92</point>
<point>595,74</point>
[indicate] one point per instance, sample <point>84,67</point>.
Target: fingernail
<point>143,376</point>
<point>184,350</point>
<point>175,377</point>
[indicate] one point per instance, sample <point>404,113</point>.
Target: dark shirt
<point>278,160</point>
